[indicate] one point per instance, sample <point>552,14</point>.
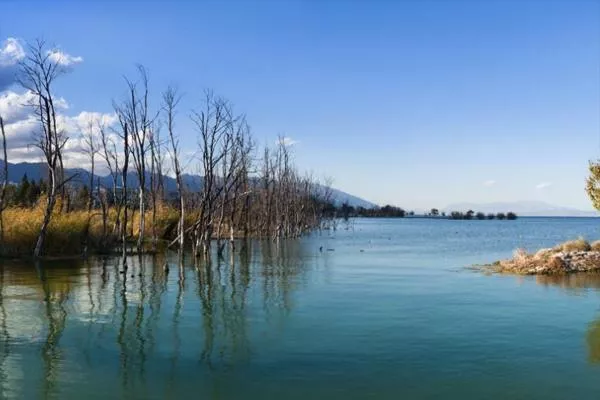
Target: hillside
<point>36,171</point>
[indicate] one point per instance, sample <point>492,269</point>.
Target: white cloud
<point>543,185</point>
<point>11,52</point>
<point>61,58</point>
<point>21,123</point>
<point>489,183</point>
<point>286,141</point>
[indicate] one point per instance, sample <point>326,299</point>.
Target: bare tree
<point>135,110</point>
<point>90,150</point>
<point>153,145</point>
<point>211,122</point>
<point>110,155</point>
<point>156,177</point>
<point>39,71</point>
<point>4,179</point>
<point>124,134</point>
<point>170,102</point>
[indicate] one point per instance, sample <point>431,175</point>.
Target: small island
<point>572,256</point>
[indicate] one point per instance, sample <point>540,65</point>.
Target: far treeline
<point>388,211</point>
<point>244,192</point>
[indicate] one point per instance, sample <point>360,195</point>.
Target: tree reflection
<point>577,283</point>
<point>593,342</point>
<point>4,339</point>
<point>56,293</point>
<point>161,314</point>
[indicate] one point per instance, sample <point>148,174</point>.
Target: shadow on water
<point>143,330</point>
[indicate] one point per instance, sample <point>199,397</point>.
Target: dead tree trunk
<point>171,100</point>
<point>4,180</point>
<point>38,73</point>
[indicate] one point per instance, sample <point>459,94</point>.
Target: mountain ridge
<point>35,171</point>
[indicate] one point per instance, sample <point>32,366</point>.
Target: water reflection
<point>578,284</point>
<point>571,282</point>
<point>141,330</point>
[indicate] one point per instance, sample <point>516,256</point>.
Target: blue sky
<point>414,103</point>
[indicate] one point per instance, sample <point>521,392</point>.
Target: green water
<point>389,313</point>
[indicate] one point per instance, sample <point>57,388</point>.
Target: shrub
<point>543,254</point>
<point>520,254</point>
<point>579,244</point>
<point>595,245</point>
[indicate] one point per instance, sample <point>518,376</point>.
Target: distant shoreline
<point>475,219</point>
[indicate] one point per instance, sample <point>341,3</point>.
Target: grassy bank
<point>76,232</point>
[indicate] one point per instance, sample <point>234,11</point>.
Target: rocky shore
<point>570,257</point>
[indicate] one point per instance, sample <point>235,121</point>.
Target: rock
<point>557,265</point>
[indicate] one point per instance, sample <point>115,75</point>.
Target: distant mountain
<point>37,171</point>
<point>340,197</point>
<point>523,208</point>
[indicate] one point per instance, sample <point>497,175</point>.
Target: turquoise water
<point>390,312</point>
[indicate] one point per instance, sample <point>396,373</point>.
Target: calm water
<point>390,313</point>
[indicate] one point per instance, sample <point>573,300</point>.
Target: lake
<point>387,310</point>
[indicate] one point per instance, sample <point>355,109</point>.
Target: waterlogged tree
<point>38,73</point>
<point>90,149</point>
<point>135,112</point>
<point>124,135</point>
<point>110,155</point>
<point>170,102</point>
<point>4,182</point>
<point>212,122</point>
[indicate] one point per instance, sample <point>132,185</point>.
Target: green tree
<point>592,186</point>
<point>82,197</point>
<point>457,215</point>
<point>33,193</point>
<point>480,215</point>
<point>22,192</point>
<point>435,212</point>
<point>500,216</point>
<point>347,210</point>
<point>43,186</point>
